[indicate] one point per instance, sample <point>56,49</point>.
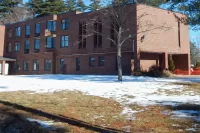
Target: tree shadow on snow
<point>63,119</point>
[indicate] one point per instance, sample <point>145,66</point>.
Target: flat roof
<point>6,59</point>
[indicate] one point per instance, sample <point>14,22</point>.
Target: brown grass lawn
<point>94,112</point>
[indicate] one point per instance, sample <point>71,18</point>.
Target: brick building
<point>48,45</point>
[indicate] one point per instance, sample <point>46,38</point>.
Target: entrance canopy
<point>4,66</point>
<point>6,59</point>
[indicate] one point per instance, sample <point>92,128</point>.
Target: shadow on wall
<point>64,119</point>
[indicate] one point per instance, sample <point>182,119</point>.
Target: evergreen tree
<point>80,6</point>
<point>95,5</point>
<point>190,8</point>
<point>71,5</point>
<point>6,7</point>
<point>48,7</point>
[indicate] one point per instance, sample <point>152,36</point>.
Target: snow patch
<point>44,124</point>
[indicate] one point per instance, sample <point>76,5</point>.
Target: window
<point>50,42</point>
<point>47,65</point>
<point>91,61</point>
<point>51,25</point>
<point>9,47</point>
<point>62,63</point>
<point>82,33</point>
<point>78,64</point>
<point>64,41</point>
<point>65,24</point>
<point>9,32</point>
<point>179,35</point>
<point>97,35</point>
<point>101,60</point>
<point>17,46</point>
<point>25,66</point>
<point>113,35</point>
<point>37,28</point>
<point>26,47</point>
<point>37,44</point>
<point>18,31</point>
<point>28,30</point>
<point>35,65</point>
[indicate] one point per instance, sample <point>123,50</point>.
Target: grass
<point>189,88</point>
<point>70,104</point>
<point>93,110</point>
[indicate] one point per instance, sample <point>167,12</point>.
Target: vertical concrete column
<point>166,60</point>
<point>3,67</point>
<point>189,66</point>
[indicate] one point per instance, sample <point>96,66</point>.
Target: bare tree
<point>19,13</point>
<point>123,23</point>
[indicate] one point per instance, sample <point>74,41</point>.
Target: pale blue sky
<point>194,35</point>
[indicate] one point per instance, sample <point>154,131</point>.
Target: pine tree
<point>6,7</point>
<point>80,6</point>
<point>71,5</point>
<point>95,5</point>
<point>48,7</point>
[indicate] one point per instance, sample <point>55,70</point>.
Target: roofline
<point>162,9</point>
<point>92,12</point>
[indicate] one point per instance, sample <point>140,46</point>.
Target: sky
<point>194,35</point>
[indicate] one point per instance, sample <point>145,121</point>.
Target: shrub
<point>171,65</point>
<point>155,71</point>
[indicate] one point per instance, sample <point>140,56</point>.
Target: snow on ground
<point>140,90</point>
<point>44,124</point>
<point>133,90</point>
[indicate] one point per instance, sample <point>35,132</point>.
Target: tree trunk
<point>119,63</point>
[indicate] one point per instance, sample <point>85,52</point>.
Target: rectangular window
<point>28,30</point>
<point>82,34</point>
<point>51,25</point>
<point>47,65</point>
<point>64,41</point>
<point>17,31</point>
<point>37,44</point>
<point>25,65</point>
<point>179,35</point>
<point>113,35</point>
<point>62,63</point>
<point>91,61</point>
<point>97,35</point>
<point>50,42</point>
<point>17,46</point>
<point>9,47</point>
<point>35,65</point>
<point>78,64</point>
<point>101,60</point>
<point>37,28</point>
<point>65,24</point>
<point>9,32</point>
<point>26,47</point>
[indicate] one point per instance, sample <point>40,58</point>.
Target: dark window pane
<point>91,61</point>
<point>25,65</point>
<point>101,60</point>
<point>47,65</point>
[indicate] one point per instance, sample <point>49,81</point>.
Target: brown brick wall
<point>158,39</point>
<point>154,42</point>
